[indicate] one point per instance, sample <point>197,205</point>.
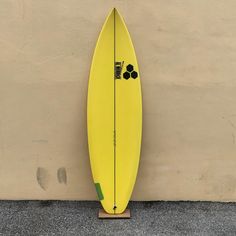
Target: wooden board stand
<point>103,215</point>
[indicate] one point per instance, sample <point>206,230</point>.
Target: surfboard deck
<point>114,115</point>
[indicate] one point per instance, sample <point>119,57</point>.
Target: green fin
<point>99,191</point>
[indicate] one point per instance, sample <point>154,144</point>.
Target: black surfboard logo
<point>130,72</point>
<point>118,69</point>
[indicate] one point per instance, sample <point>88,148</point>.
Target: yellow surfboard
<point>114,115</point>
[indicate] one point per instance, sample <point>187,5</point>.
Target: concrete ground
<point>148,218</point>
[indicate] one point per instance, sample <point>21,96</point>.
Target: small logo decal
<point>130,72</point>
<point>118,69</point>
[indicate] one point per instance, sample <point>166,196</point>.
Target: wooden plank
<point>103,215</point>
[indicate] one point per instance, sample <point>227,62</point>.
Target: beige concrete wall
<point>187,56</point>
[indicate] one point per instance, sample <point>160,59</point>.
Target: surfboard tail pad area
<point>114,115</point>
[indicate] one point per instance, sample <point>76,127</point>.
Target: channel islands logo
<point>130,72</point>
